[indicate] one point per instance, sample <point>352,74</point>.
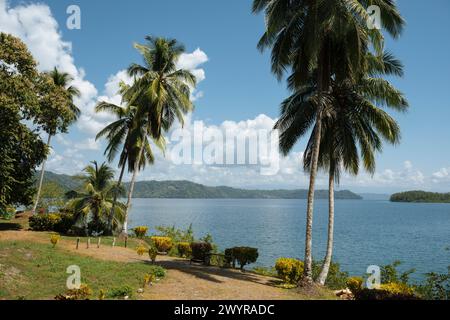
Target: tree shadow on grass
<point>10,226</point>
<point>211,273</point>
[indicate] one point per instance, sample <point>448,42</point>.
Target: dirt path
<point>183,281</point>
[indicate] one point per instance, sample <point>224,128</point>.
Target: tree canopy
<point>26,98</point>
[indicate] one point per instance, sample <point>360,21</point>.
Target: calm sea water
<point>367,232</point>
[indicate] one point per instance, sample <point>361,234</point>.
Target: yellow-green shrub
<point>141,250</point>
<point>162,244</point>
<point>184,249</point>
<point>397,288</point>
<point>83,293</point>
<point>152,253</point>
<point>54,238</point>
<point>355,284</point>
<point>140,231</point>
<point>289,270</point>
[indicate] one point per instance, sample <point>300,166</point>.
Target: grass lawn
<point>38,271</point>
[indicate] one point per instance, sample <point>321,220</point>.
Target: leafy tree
<point>57,111</point>
<point>93,205</point>
<point>332,39</point>
<point>21,148</point>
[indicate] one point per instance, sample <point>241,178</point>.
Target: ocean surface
<point>367,232</point>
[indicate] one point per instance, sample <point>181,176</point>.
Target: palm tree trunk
<point>130,192</point>
<point>327,261</point>
<point>323,87</point>
<point>307,277</point>
<point>111,215</point>
<point>41,179</point>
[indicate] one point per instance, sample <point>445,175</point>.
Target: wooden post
<point>126,241</point>
<point>114,242</point>
<point>88,243</point>
<point>98,242</point>
<point>78,242</point>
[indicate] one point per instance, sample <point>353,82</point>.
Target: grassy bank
<point>38,271</point>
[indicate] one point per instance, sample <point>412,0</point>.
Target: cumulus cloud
<point>442,175</point>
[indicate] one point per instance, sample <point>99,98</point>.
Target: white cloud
<point>88,144</point>
<point>192,61</point>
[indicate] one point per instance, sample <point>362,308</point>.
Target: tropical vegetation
<point>325,45</point>
<point>421,196</point>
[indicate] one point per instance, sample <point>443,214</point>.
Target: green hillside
<point>190,190</point>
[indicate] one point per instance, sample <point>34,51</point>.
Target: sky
<point>236,89</point>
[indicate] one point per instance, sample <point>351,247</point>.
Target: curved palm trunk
<point>130,192</point>
<point>307,277</point>
<point>323,87</point>
<point>327,261</point>
<point>41,179</point>
<point>111,215</point>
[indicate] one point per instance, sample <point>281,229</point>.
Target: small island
<point>421,197</point>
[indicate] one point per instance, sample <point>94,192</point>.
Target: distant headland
<point>421,196</point>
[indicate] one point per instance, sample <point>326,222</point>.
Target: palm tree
<point>60,80</point>
<point>319,35</point>
<point>350,119</point>
<point>161,92</point>
<point>125,133</point>
<point>95,203</point>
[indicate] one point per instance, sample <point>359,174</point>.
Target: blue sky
<point>238,85</point>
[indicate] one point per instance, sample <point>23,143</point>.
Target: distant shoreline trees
<point>421,196</point>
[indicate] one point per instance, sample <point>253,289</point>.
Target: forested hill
<point>421,196</point>
<point>190,190</point>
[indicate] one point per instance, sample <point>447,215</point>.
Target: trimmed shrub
<point>200,250</point>
<point>243,255</point>
<point>152,253</point>
<point>65,223</point>
<point>184,249</point>
<point>289,270</point>
<point>44,222</point>
<point>162,244</point>
<point>140,232</point>
<point>58,222</point>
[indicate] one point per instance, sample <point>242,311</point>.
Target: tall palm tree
<point>95,203</point>
<point>161,92</point>
<point>349,120</point>
<point>126,133</point>
<point>60,80</point>
<point>319,35</point>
